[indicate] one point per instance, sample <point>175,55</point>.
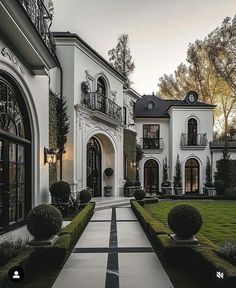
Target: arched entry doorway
<point>94,178</point>
<point>151,176</point>
<point>192,176</point>
<point>15,156</point>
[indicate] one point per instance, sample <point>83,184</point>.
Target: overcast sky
<point>159,30</point>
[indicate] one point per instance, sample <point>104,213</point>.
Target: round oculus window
<point>150,105</point>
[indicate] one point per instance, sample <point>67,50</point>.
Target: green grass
<point>219,217</point>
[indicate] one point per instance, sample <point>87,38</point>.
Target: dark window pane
<point>20,154</point>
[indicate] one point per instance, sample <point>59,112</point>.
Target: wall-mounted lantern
<point>50,156</point>
<point>132,164</point>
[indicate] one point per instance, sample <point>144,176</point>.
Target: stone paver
<point>113,252</point>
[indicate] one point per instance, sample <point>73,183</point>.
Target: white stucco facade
<point>81,64</point>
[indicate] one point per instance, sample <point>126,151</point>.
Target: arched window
<point>101,86</point>
<point>192,176</point>
<point>192,131</point>
<point>15,154</point>
<point>11,119</point>
<point>101,95</point>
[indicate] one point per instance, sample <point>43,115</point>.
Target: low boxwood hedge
<point>21,260</point>
<point>203,258</point>
<point>50,257</point>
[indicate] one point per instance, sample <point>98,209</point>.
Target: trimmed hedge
<point>21,260</point>
<point>41,258</point>
<point>202,259</point>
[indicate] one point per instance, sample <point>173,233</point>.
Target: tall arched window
<point>192,176</point>
<point>15,151</point>
<point>192,131</point>
<point>101,95</point>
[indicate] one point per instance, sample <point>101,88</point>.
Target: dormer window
<point>191,97</point>
<point>150,105</point>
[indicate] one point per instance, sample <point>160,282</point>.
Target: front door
<point>151,177</point>
<point>94,167</point>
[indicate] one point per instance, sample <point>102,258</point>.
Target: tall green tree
<point>62,128</point>
<point>121,59</point>
<point>211,72</point>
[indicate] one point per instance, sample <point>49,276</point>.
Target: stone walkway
<point>113,252</point>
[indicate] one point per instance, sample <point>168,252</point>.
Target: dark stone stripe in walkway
<point>114,250</point>
<point>112,275</point>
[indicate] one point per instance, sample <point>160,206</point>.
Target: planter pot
<point>177,241</point>
<point>107,191</point>
<point>210,191</point>
<point>178,191</point>
<point>166,190</point>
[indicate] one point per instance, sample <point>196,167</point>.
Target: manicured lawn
<point>219,217</point>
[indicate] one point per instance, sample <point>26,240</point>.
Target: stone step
<point>110,204</point>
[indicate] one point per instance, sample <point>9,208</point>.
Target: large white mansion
<point>104,118</point>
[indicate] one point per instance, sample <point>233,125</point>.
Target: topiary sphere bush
<point>85,196</point>
<point>60,190</point>
<point>139,194</point>
<point>185,220</point>
<point>108,172</point>
<point>219,186</point>
<point>44,221</point>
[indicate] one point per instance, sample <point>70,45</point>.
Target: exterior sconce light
<point>132,164</point>
<point>50,156</point>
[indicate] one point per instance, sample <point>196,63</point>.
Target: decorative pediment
<point>7,53</point>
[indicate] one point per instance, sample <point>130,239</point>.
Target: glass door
<point>151,177</point>
<point>12,184</point>
<point>2,188</point>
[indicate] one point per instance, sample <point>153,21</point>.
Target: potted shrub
<point>185,221</point>
<point>139,194</point>
<point>108,189</point>
<point>178,178</point>
<point>129,188</point>
<point>44,222</point>
<point>166,188</point>
<point>85,196</point>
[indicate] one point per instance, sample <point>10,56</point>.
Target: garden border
<point>202,258</point>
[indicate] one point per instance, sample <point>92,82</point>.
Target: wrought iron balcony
<point>193,140</point>
<point>152,143</point>
<point>98,102</point>
<point>41,19</point>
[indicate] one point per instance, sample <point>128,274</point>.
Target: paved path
<point>113,252</point>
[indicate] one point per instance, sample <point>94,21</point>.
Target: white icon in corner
<point>16,275</point>
<point>220,275</point>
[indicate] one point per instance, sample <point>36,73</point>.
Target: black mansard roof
<point>150,106</point>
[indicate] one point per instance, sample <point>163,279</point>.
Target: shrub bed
<point>202,259</point>
<point>33,260</point>
<point>21,260</point>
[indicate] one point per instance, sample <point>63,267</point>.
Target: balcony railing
<point>41,19</point>
<point>195,140</point>
<point>152,143</point>
<point>99,102</point>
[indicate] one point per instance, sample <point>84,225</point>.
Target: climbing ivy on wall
<point>52,134</point>
<point>130,152</point>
